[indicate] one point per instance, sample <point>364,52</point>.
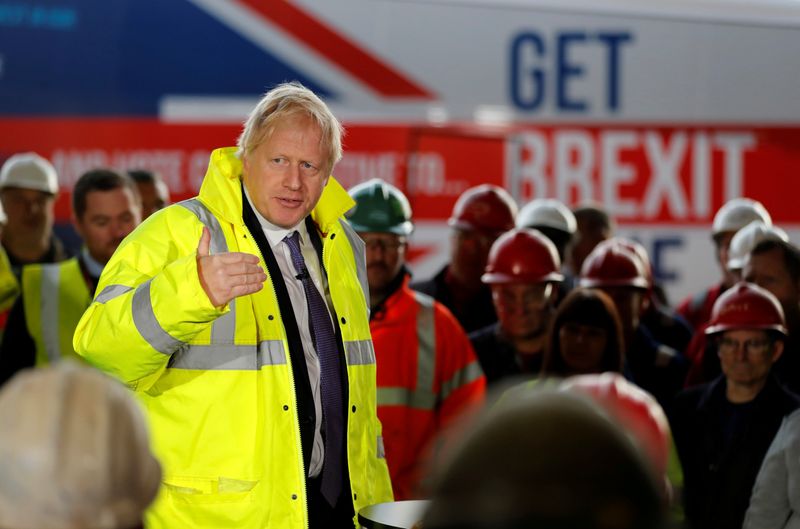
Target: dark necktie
<point>330,375</point>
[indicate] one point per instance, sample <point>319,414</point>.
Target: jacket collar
<point>221,193</point>
<point>400,281</point>
<point>714,395</point>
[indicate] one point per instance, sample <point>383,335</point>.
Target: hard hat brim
<point>722,327</point>
<point>495,278</point>
<point>638,282</point>
<point>406,228</point>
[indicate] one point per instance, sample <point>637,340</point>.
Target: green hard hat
<point>380,207</point>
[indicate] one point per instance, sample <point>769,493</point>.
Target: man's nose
<point>34,207</point>
<point>121,229</point>
<point>515,306</point>
<point>376,250</point>
<point>292,177</point>
<point>741,350</point>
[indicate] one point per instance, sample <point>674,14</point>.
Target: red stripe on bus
<point>338,49</point>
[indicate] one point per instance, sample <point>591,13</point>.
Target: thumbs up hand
<point>226,276</point>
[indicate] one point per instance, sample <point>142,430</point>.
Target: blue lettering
<point>660,247</point>
<point>535,74</point>
<point>38,17</point>
<point>565,70</point>
<point>527,88</point>
<point>12,15</point>
<point>63,18</point>
<point>613,42</point>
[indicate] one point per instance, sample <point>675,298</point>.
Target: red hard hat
<point>638,250</point>
<point>747,306</point>
<point>522,255</point>
<point>613,265</point>
<point>486,208</point>
<point>636,411</point>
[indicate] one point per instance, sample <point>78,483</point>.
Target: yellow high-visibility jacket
<point>9,288</point>
<point>55,296</point>
<point>217,383</point>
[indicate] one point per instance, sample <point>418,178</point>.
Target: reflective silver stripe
<point>469,373</point>
<point>360,352</point>
<point>49,295</point>
<point>223,330</point>
<point>146,323</point>
<point>111,292</point>
<point>381,449</point>
<point>426,342</point>
<point>216,357</point>
<point>271,353</point>
<point>421,400</point>
<point>218,243</point>
<point>360,254</point>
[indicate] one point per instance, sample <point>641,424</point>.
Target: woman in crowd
<point>585,337</point>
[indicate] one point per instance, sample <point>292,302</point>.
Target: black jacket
<point>473,316</point>
<point>718,478</point>
<point>497,357</point>
<point>655,367</point>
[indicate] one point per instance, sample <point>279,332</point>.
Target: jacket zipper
<point>347,381</point>
<point>298,439</point>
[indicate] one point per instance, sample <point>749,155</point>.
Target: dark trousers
<point>321,515</point>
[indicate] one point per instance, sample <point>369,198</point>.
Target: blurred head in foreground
<point>74,452</point>
<point>546,459</point>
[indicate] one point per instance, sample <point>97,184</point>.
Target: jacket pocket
<point>208,490</point>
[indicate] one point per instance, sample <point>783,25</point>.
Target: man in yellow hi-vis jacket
<point>105,209</point>
<point>240,319</point>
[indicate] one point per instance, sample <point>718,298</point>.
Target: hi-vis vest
<point>217,383</point>
<point>9,290</point>
<point>55,296</point>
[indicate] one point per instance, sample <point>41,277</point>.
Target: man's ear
<point>646,301</point>
<point>777,350</point>
<point>77,225</point>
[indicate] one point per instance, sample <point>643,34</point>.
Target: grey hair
<point>289,99</point>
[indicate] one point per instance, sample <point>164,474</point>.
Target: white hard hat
<point>28,170</point>
<point>74,452</point>
<point>748,238</point>
<point>737,213</point>
<point>549,213</point>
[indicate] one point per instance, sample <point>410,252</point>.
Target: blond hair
<point>285,100</point>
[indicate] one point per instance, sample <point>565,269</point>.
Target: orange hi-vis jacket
<point>428,375</point>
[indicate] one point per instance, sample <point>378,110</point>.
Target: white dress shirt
<point>297,296</point>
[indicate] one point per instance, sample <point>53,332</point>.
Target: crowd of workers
<point>540,379</point>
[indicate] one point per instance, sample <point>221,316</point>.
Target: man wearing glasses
<point>723,429</point>
<point>523,273</point>
<point>775,266</point>
<point>427,371</point>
